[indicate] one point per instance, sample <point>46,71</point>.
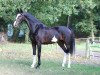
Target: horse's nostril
<point>15,25</point>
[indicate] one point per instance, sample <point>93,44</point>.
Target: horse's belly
<point>50,37</point>
<point>45,43</point>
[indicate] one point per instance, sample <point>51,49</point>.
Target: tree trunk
<point>92,26</point>
<point>15,35</point>
<point>69,21</point>
<point>27,36</point>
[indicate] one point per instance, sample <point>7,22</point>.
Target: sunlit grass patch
<point>22,67</point>
<point>16,59</point>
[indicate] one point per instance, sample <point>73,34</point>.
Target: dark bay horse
<point>41,34</point>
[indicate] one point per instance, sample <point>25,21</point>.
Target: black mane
<point>33,19</point>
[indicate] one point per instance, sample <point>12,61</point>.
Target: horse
<point>41,34</point>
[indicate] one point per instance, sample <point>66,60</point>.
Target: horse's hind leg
<point>69,56</point>
<point>69,60</point>
<point>61,44</point>
<point>39,55</point>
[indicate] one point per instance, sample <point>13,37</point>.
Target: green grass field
<point>16,59</point>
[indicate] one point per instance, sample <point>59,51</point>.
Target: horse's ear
<point>17,11</point>
<point>21,11</point>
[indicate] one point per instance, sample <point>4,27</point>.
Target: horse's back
<point>63,29</point>
<point>66,32</point>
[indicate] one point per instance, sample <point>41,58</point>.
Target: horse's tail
<point>69,21</point>
<point>72,40</point>
<point>72,44</point>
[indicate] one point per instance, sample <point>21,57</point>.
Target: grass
<point>81,45</point>
<point>15,59</point>
<point>22,67</point>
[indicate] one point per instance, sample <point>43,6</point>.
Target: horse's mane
<point>32,18</point>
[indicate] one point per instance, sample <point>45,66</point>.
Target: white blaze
<point>16,19</point>
<point>14,23</point>
<point>17,16</point>
<point>34,61</point>
<point>54,39</point>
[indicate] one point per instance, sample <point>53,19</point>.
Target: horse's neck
<point>29,24</point>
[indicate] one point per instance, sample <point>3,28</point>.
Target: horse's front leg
<point>39,55</point>
<point>34,55</point>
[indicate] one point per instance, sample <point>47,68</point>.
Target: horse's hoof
<point>69,67</point>
<point>38,66</point>
<point>32,66</point>
<point>63,65</point>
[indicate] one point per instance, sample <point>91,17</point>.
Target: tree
<point>8,10</point>
<point>55,12</point>
<point>89,7</point>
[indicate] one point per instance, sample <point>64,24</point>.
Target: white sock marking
<point>69,61</point>
<point>0,49</point>
<point>64,60</point>
<point>34,61</point>
<point>54,39</point>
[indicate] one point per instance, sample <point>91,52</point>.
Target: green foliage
<point>55,12</point>
<point>83,26</point>
<point>8,8</point>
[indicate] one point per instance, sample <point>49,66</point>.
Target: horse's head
<point>19,18</point>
